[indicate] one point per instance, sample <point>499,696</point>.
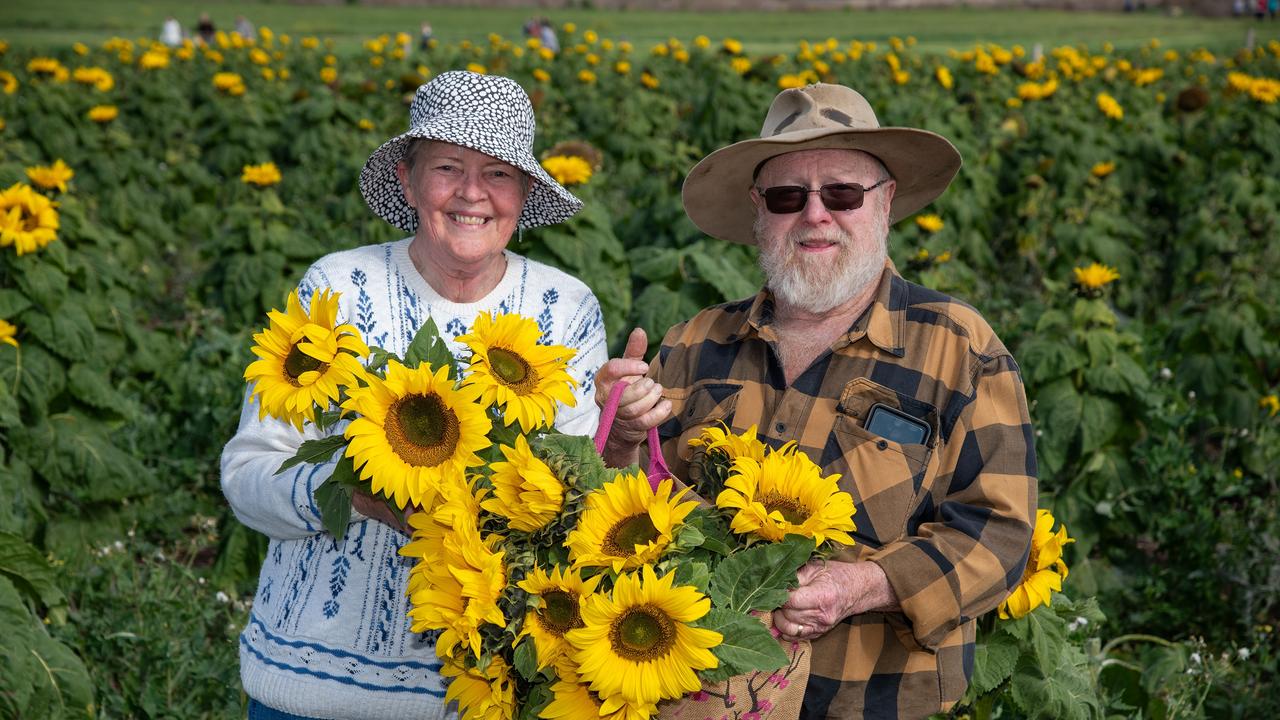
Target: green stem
<point>1135,637</point>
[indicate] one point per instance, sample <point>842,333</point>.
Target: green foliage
<point>759,578</point>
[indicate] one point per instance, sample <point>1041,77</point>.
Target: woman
<point>328,636</point>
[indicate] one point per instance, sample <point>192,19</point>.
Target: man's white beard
<point>817,285</point>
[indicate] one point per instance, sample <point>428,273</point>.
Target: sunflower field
<point>1116,221</point>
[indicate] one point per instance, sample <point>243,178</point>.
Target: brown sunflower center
<point>791,509</point>
<point>298,362</point>
<point>624,536</point>
<point>642,633</point>
<point>513,370</point>
<point>422,430</point>
<point>559,612</point>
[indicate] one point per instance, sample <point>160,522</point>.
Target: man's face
<point>817,258</point>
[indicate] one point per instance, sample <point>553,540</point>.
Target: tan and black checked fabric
<point>949,521</point>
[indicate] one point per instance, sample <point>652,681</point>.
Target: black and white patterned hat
<point>487,113</point>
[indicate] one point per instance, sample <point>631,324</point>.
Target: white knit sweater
<point>329,635</point>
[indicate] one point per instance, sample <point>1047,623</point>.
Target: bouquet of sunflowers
<point>558,588</point>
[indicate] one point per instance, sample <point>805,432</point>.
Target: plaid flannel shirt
<point>949,521</point>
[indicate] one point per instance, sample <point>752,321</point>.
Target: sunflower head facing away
<point>526,492</point>
<point>626,524</point>
<point>304,358</point>
<point>457,581</point>
<point>513,371</point>
<point>414,431</point>
<point>637,645</point>
<point>785,494</point>
<point>559,596</point>
<point>1045,569</point>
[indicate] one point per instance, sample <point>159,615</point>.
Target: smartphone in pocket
<point>893,424</point>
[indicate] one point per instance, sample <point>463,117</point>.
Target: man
<point>903,391</point>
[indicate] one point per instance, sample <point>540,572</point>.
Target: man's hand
<point>377,509</point>
<point>641,407</point>
<point>828,592</point>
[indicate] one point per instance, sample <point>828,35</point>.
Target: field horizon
<point>60,23</point>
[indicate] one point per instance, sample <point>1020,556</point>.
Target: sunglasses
<point>837,197</point>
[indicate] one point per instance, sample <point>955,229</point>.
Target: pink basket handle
<point>658,470</point>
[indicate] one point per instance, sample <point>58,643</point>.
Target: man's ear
<point>756,198</point>
<point>403,174</point>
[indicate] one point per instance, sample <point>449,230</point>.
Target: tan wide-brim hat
<point>717,192</point>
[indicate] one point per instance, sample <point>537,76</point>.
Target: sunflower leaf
<point>994,661</point>
<point>748,645</point>
<point>429,347</point>
<point>314,451</point>
<point>29,571</point>
<point>333,497</point>
<point>526,660</point>
<point>759,578</point>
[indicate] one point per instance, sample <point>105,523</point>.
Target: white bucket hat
<point>717,195</point>
<point>487,113</point>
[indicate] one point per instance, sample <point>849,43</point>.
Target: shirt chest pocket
<point>886,478</point>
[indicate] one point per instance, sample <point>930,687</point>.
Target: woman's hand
<point>377,509</point>
<point>642,405</point>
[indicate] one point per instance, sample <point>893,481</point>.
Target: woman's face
<point>468,203</point>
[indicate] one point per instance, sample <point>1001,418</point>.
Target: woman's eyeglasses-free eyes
<point>787,199</point>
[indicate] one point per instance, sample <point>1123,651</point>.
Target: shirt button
<point>780,427</point>
<point>882,444</point>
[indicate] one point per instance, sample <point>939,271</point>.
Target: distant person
<point>547,35</point>
<point>171,32</point>
<point>1237,8</point>
<point>205,30</point>
<point>244,27</point>
<point>424,36</point>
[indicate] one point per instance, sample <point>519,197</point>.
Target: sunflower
<point>28,220</point>
<point>786,494</point>
<point>414,430</point>
<point>526,492</point>
<point>929,223</point>
<point>229,83</point>
<point>458,579</point>
<point>560,596</point>
<point>626,524</point>
<point>1095,276</point>
<point>304,359</point>
<point>8,333</point>
<point>103,113</point>
<point>50,177</point>
<point>263,175</point>
<point>637,646</point>
<point>567,169</point>
<point>511,369</point>
<point>1045,569</point>
<point>573,700</point>
<point>733,446</point>
<point>481,695</point>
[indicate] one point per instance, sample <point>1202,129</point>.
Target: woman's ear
<point>404,175</point>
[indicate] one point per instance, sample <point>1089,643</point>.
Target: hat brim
<point>717,196</point>
<point>548,201</point>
